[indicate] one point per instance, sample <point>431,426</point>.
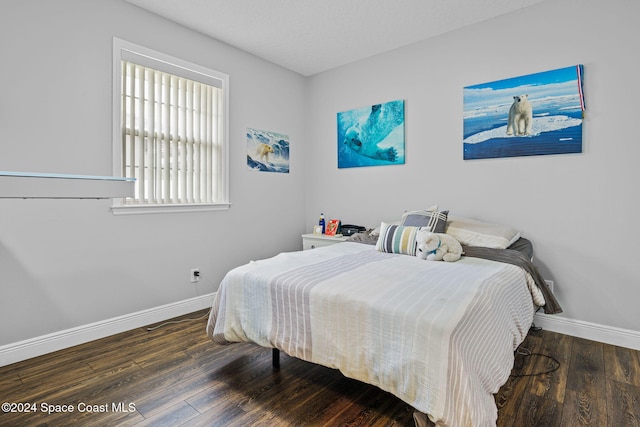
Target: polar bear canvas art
<point>520,116</point>
<point>372,135</point>
<point>267,151</point>
<point>547,119</point>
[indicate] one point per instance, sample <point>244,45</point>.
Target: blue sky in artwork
<point>558,82</point>
<point>546,77</point>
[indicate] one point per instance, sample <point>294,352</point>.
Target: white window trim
<point>122,209</point>
<point>122,48</point>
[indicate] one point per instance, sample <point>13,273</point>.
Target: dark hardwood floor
<point>175,376</point>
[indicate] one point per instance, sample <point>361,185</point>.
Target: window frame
<point>123,49</point>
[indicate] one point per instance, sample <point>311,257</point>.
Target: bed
<point>440,336</point>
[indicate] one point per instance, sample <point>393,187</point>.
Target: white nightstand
<point>312,241</point>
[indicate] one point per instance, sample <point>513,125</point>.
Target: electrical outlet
<point>195,275</point>
<point>549,284</point>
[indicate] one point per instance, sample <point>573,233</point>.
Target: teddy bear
<point>437,246</point>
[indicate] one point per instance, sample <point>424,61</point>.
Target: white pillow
<point>471,232</point>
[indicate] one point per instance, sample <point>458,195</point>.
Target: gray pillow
<point>434,220</point>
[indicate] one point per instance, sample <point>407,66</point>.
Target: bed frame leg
<point>275,358</point>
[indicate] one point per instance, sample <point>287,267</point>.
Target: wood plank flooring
<point>176,376</point>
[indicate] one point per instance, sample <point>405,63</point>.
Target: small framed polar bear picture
<point>317,229</point>
<point>267,151</point>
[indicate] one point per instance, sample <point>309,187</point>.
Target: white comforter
<point>440,336</point>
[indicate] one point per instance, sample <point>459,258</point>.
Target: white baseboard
<point>591,331</point>
<point>44,344</point>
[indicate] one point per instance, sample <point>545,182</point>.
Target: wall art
<point>530,115</point>
<point>267,151</point>
<point>371,136</point>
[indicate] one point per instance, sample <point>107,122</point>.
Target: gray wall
<point>579,210</point>
<point>66,263</point>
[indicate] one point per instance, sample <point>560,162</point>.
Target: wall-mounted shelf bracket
<point>35,185</point>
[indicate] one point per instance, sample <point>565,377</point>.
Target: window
<point>170,131</point>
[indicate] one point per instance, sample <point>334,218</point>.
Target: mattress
<point>440,336</point>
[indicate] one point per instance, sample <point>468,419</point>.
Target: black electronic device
<point>350,229</point>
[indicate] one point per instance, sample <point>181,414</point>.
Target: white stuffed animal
<point>437,246</point>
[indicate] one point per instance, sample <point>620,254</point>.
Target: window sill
<point>153,209</point>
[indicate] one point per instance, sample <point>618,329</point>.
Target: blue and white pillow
<point>397,239</point>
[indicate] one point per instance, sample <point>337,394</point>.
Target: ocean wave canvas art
<point>530,115</point>
<point>371,136</point>
<point>267,151</point>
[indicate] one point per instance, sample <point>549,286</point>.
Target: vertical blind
<point>172,130</point>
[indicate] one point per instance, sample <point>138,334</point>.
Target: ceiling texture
<point>311,36</point>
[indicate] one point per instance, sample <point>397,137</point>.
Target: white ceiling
<point>310,36</point>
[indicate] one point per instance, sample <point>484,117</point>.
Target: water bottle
<point>321,222</point>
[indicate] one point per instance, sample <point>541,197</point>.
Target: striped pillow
<point>397,239</point>
<point>434,220</point>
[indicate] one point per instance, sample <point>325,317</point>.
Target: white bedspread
<point>440,336</point>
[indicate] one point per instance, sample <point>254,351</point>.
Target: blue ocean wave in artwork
<point>265,167</point>
<point>371,136</point>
